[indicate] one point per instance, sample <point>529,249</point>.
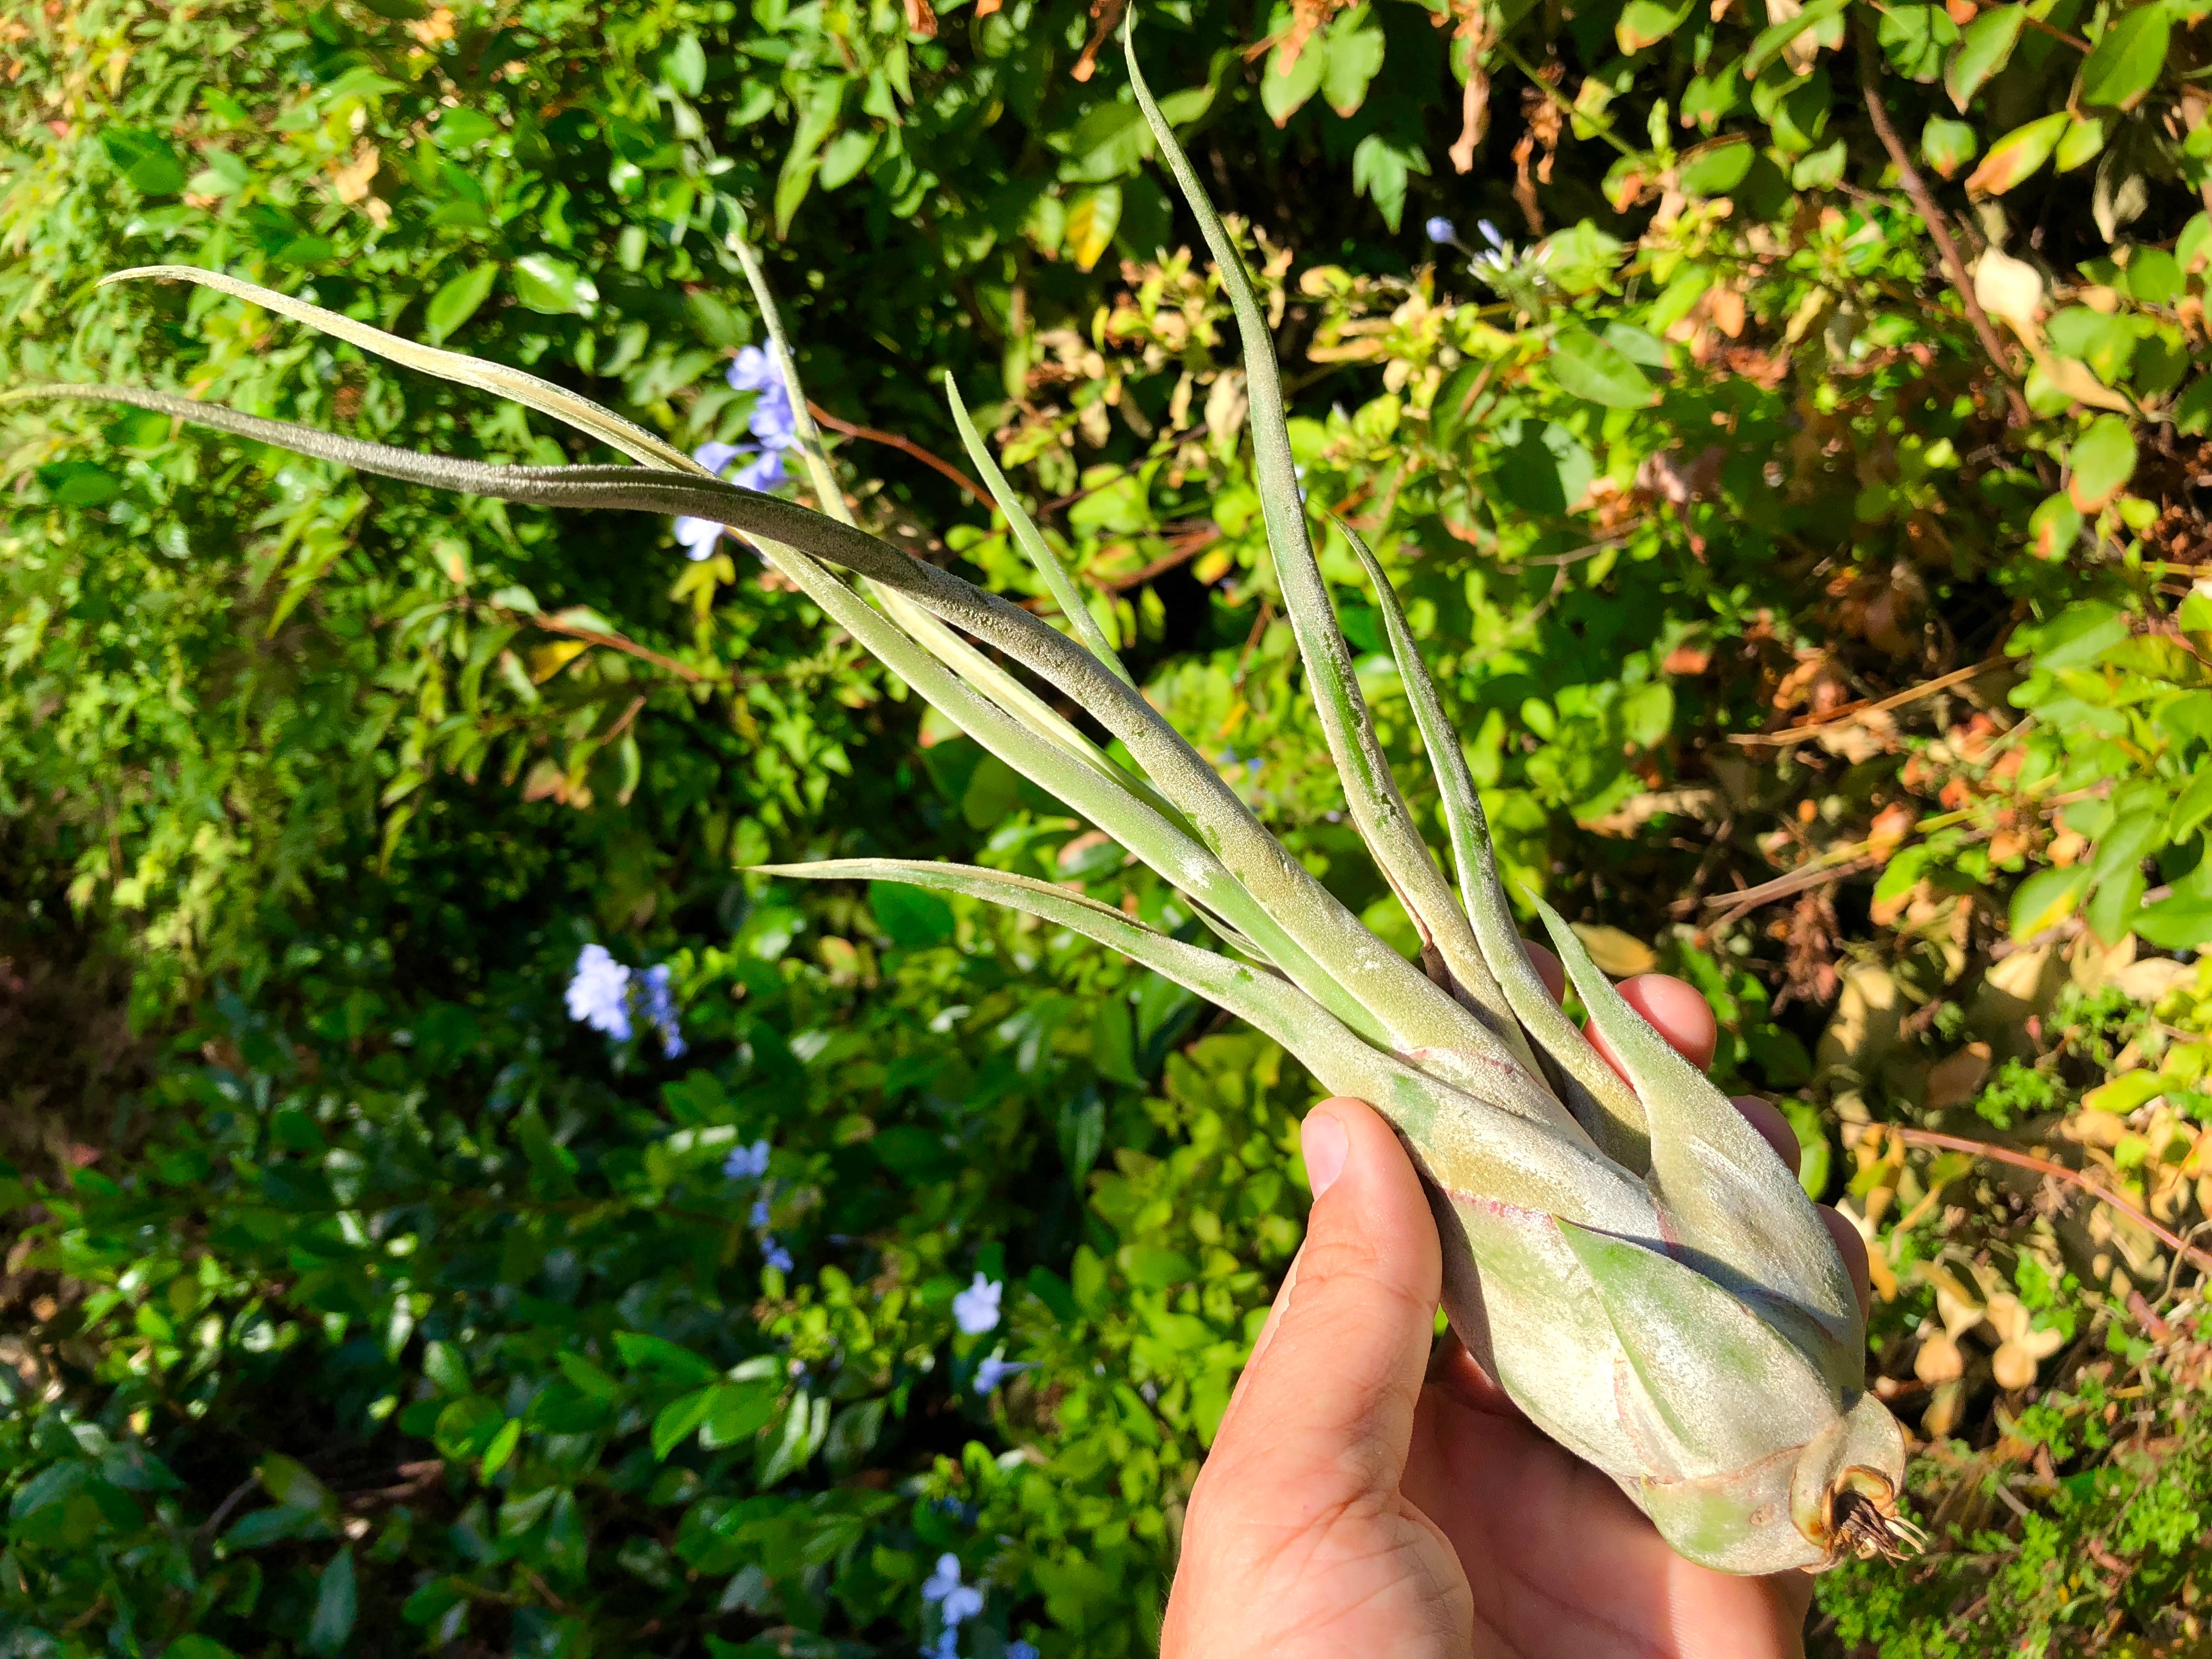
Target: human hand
<point>1371,1494</point>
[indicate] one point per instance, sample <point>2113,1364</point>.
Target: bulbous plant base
<point>1839,1494</point>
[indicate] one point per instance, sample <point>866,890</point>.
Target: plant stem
<point>906,446</point>
<point>1938,227</point>
<point>2074,1178</point>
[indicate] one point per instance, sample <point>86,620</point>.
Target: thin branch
<point>905,445</point>
<point>622,725</point>
<point>1589,551</point>
<point>1601,124</point>
<point>1182,552</point>
<point>1860,856</point>
<point>1938,227</point>
<point>1746,900</point>
<point>2074,1178</point>
<point>1941,682</point>
<point>2056,32</point>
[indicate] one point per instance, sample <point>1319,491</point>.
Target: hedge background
<point>1798,487</point>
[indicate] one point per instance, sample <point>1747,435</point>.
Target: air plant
<point>1633,1262</point>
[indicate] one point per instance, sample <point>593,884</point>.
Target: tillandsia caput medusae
<point>1630,1259</point>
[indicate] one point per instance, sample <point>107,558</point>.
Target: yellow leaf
<point>352,180</point>
<point>1620,955</point>
<point>547,661</point>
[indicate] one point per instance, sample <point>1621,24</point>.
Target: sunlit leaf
<point>1587,366</point>
<point>2125,62</point>
<point>1985,45</point>
<point>2101,462</point>
<point>456,301</point>
<point>1947,145</point>
<point>2017,154</point>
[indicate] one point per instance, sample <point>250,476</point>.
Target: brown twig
<point>2103,1194</point>
<point>904,446</point>
<point>1252,641</point>
<point>1590,551</point>
<point>1938,227</point>
<point>1858,857</point>
<point>622,725</point>
<point>1182,552</point>
<point>2056,32</point>
<point>1748,899</point>
<point>1941,682</point>
<point>619,642</point>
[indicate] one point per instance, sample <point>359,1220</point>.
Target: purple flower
<point>661,1011</point>
<point>975,1310</point>
<point>764,472</point>
<point>996,1368</point>
<point>956,1602</point>
<point>747,1163</point>
<point>598,993</point>
<point>1490,234</point>
<point>775,1256</point>
<point>772,420</point>
<point>752,371</point>
<point>698,537</point>
<point>1442,230</point>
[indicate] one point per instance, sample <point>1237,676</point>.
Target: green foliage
<point>370,1302</point>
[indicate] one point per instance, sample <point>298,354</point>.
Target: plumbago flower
<point>996,1368</point>
<point>601,991</point>
<point>747,1163</point>
<point>975,1310</point>
<point>661,1011</point>
<point>599,994</point>
<point>956,1602</point>
<point>771,421</point>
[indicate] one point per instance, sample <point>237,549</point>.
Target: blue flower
<point>716,456</point>
<point>1442,230</point>
<point>975,1310</point>
<point>772,420</point>
<point>759,1216</point>
<point>947,1646</point>
<point>775,1256</point>
<point>747,1163</point>
<point>1021,1650</point>
<point>1490,234</point>
<point>698,537</point>
<point>956,1602</point>
<point>995,1370</point>
<point>661,1011</point>
<point>763,469</point>
<point>752,371</point>
<point>764,472</point>
<point>598,993</point>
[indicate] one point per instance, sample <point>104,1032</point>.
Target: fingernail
<point>1326,1147</point>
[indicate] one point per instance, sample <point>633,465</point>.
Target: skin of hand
<point>1371,1494</point>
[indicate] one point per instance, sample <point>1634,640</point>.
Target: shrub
<point>368,1300</point>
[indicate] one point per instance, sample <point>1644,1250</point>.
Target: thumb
<point>1324,1412</point>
